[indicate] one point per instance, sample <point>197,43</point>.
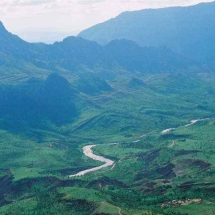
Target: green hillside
<point>38,153</point>
<point>75,58</point>
<point>114,129</point>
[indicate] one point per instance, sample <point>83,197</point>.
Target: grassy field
<point>150,169</point>
<point>178,165</point>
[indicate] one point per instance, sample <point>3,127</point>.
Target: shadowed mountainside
<point>77,55</point>
<point>185,30</point>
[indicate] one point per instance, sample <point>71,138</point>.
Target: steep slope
<point>78,55</point>
<point>186,30</point>
<point>145,59</point>
<point>136,83</point>
<point>12,44</point>
<point>92,86</point>
<point>34,103</point>
<point>75,53</point>
<point>19,59</point>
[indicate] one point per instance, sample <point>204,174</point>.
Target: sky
<point>52,20</point>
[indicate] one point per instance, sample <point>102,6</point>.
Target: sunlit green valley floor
<point>151,169</point>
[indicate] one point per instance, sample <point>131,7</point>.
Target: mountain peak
<point>2,28</point>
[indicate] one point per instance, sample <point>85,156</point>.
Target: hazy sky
<point>51,20</point>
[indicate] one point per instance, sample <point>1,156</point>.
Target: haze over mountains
<point>77,54</point>
<point>55,99</point>
<point>94,69</point>
<point>188,31</point>
<point>162,40</point>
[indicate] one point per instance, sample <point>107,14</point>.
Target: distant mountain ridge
<point>79,55</point>
<point>188,31</point>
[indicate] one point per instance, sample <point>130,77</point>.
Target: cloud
<point>70,16</point>
<point>88,2</point>
<point>14,3</point>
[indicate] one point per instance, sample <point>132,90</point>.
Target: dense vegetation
<point>75,56</point>
<point>39,153</point>
<point>55,99</point>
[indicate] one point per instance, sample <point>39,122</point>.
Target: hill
<point>187,31</point>
<point>56,99</point>
<point>75,56</point>
<point>136,83</point>
<point>35,103</point>
<point>92,86</point>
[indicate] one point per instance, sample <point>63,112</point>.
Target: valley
<point>145,163</point>
<point>87,151</point>
<point>144,170</point>
<point>119,120</point>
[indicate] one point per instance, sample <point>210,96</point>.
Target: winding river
<point>192,122</point>
<point>87,150</point>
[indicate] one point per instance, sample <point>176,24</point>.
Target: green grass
<point>206,209</point>
<point>199,137</point>
<point>108,209</point>
<point>26,158</point>
<point>24,206</point>
<point>81,193</point>
<point>149,170</point>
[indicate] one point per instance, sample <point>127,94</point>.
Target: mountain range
<point>188,31</point>
<point>132,93</point>
<point>76,55</point>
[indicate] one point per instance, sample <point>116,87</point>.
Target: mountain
<point>11,47</point>
<point>33,103</point>
<point>187,31</point>
<point>136,83</point>
<point>73,53</point>
<point>133,103</point>
<point>16,49</point>
<point>92,85</point>
<point>22,59</point>
<point>145,59</point>
<point>19,59</point>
